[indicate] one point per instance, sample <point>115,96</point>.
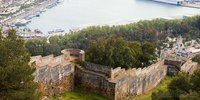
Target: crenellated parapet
<point>56,74</point>
<point>74,54</point>
<point>189,67</point>
<point>68,55</point>
<point>61,73</point>
<point>119,83</point>
<point>138,81</point>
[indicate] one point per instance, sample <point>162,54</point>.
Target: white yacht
<point>175,2</point>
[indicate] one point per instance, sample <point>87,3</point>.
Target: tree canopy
<point>41,47</point>
<point>154,31</point>
<point>182,87</point>
<point>117,52</point>
<point>16,76</point>
<point>196,59</point>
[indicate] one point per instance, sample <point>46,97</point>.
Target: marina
<point>55,15</point>
<point>77,14</point>
<point>183,3</point>
<point>174,2</point>
<point>22,22</point>
<point>29,13</point>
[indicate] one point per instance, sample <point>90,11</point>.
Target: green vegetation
<point>115,51</point>
<point>16,79</point>
<point>177,87</point>
<point>41,47</point>
<point>195,81</point>
<point>163,86</point>
<point>182,87</point>
<point>154,31</point>
<point>196,59</point>
<point>80,95</point>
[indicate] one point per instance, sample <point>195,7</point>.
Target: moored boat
<point>60,1</point>
<point>56,32</point>
<point>22,22</point>
<point>174,2</point>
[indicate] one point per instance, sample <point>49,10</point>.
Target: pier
<point>191,4</point>
<point>174,2</point>
<point>183,3</point>
<point>28,12</point>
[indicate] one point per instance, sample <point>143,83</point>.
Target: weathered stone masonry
<point>95,78</point>
<point>119,83</point>
<point>56,74</point>
<point>60,74</point>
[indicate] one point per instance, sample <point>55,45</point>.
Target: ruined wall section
<point>55,79</point>
<point>106,70</point>
<point>90,80</point>
<point>74,54</point>
<point>60,74</point>
<point>139,81</point>
<point>56,74</point>
<point>189,67</point>
<point>118,83</point>
<point>50,88</point>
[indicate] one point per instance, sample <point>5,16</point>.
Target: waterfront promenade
<point>30,11</point>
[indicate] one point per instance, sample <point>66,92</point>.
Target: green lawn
<point>162,86</point>
<point>80,95</point>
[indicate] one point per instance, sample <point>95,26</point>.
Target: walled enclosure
<point>119,84</point>
<point>60,74</point>
<point>56,74</point>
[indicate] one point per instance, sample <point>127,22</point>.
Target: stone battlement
<point>56,74</point>
<point>67,56</point>
<point>135,72</point>
<point>60,74</point>
<point>119,83</point>
<point>189,67</point>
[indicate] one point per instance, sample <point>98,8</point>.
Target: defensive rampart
<point>189,67</point>
<point>119,83</point>
<point>60,74</point>
<point>56,74</point>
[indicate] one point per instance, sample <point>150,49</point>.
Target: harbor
<point>192,5</point>
<point>27,14</point>
<point>174,2</point>
<point>21,18</point>
<point>57,17</point>
<point>184,3</point>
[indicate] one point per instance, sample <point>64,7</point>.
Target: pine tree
<point>16,76</point>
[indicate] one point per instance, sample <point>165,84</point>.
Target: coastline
<point>49,4</point>
<point>197,6</point>
<point>180,3</point>
<point>34,9</point>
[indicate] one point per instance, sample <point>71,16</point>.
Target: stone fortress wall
<point>56,74</point>
<point>60,74</point>
<point>93,77</point>
<point>189,67</point>
<point>118,83</point>
<point>139,81</point>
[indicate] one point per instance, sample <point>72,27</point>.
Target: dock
<point>183,3</point>
<point>191,5</point>
<point>28,12</point>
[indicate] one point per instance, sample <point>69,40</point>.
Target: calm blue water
<point>72,14</point>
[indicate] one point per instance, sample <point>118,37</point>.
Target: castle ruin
<point>63,73</point>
